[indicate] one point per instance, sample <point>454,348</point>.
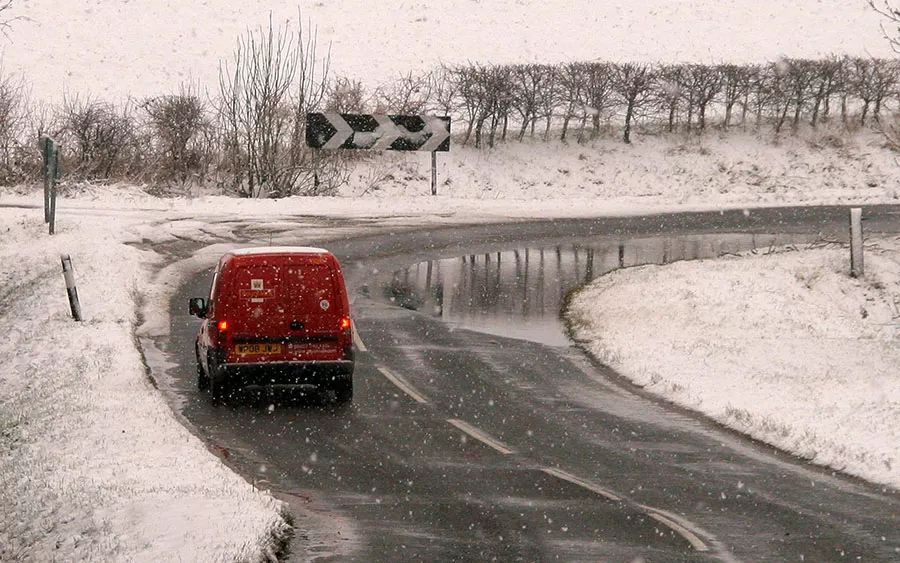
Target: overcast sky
<point>114,48</point>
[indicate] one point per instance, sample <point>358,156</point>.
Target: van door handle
<point>296,325</point>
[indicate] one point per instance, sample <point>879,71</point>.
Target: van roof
<point>278,250</point>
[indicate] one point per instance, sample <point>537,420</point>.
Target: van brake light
<point>345,323</point>
<point>223,326</point>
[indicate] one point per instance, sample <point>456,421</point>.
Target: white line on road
<point>560,474</point>
<point>480,436</point>
<point>675,523</point>
<point>403,385</point>
<point>359,343</point>
<point>690,536</point>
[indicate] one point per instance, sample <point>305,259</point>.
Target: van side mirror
<point>197,307</point>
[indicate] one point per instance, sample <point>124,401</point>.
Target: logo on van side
<point>324,304</point>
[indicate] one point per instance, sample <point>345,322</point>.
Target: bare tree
<point>668,87</point>
<point>465,85</point>
<point>444,93</point>
<point>6,19</point>
<point>409,94</point>
<point>14,117</point>
<point>182,133</point>
<point>707,83</point>
<point>776,92</point>
<point>548,99</point>
<point>346,95</point>
<point>736,82</point>
<point>527,81</point>
<point>633,86</point>
<point>102,137</point>
<point>826,84</point>
<point>872,81</point>
<point>254,95</point>
<point>892,14</point>
<point>273,81</point>
<point>572,81</point>
<point>801,77</point>
<point>599,80</point>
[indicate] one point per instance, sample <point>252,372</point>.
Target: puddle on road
<point>519,293</point>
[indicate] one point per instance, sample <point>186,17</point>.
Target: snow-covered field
<point>720,169</point>
<point>785,347</point>
<point>93,464</point>
<point>604,176</point>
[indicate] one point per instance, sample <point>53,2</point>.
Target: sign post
<point>50,152</point>
<point>857,269</point>
<point>433,173</point>
<point>425,133</point>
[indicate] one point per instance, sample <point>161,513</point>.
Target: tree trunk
<point>565,127</point>
<point>672,116</point>
<point>629,111</point>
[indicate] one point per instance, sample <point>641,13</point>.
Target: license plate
<point>257,349</point>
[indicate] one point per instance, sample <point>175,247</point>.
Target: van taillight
<point>223,326</point>
<point>345,323</point>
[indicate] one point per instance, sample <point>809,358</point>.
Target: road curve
<point>464,445</point>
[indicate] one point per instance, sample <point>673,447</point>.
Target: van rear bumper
<point>323,373</point>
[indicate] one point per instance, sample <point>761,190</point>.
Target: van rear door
<point>286,309</point>
<point>315,308</point>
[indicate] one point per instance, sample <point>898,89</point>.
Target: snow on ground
<point>719,169</point>
<point>149,48</point>
<point>603,177</point>
<point>93,464</point>
<point>785,347</point>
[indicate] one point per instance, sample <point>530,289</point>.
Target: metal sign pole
<point>856,243</point>
<point>52,168</point>
<point>433,172</point>
<point>45,153</point>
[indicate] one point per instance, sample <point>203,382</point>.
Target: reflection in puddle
<point>519,293</point>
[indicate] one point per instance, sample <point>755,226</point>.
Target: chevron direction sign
<point>378,132</point>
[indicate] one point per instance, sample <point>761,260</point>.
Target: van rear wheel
<point>343,392</point>
<point>202,378</point>
<point>219,389</point>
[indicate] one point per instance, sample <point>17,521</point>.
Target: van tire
<point>202,379</point>
<point>219,389</point>
<point>343,392</point>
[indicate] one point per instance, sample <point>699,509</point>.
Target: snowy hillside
<point>151,46</point>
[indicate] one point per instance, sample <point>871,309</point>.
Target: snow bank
<point>785,347</point>
<point>93,464</point>
<point>534,179</point>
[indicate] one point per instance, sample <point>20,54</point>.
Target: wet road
<point>479,432</point>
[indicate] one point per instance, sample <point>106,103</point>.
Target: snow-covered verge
<point>600,177</point>
<point>785,347</point>
<point>93,464</point>
<point>720,168</point>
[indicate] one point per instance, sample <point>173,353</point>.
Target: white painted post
<point>69,274</point>
<point>856,243</point>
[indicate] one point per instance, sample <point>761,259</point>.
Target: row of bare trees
<point>680,97</point>
<point>248,138</point>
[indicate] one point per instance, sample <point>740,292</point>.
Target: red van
<point>275,316</point>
